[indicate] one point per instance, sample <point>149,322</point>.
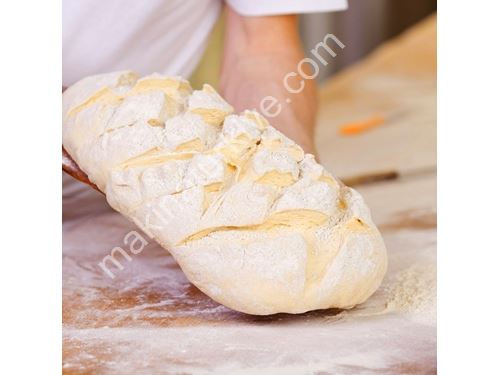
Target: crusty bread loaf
<point>253,222</point>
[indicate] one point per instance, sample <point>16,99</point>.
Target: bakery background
<point>363,26</point>
<point>151,319</point>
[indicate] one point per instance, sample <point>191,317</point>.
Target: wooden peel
<point>70,167</point>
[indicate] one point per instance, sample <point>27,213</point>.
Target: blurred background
<point>362,27</point>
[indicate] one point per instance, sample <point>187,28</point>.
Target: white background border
<point>30,253</point>
<point>468,187</point>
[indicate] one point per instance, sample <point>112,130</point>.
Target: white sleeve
<point>275,7</point>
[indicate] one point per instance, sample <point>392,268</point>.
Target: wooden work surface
<point>149,319</point>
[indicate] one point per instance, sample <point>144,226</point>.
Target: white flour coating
<point>253,222</point>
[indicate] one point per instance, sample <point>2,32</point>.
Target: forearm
<point>258,53</point>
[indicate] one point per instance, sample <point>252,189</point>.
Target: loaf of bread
<point>254,223</point>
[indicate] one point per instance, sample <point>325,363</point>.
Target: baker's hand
<point>258,53</point>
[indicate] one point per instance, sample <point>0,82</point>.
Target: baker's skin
<point>258,53</point>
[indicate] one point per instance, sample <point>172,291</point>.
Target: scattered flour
<point>413,291</point>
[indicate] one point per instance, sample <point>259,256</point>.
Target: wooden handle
<point>370,178</point>
<point>70,167</point>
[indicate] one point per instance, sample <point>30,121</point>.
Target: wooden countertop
<point>149,319</point>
